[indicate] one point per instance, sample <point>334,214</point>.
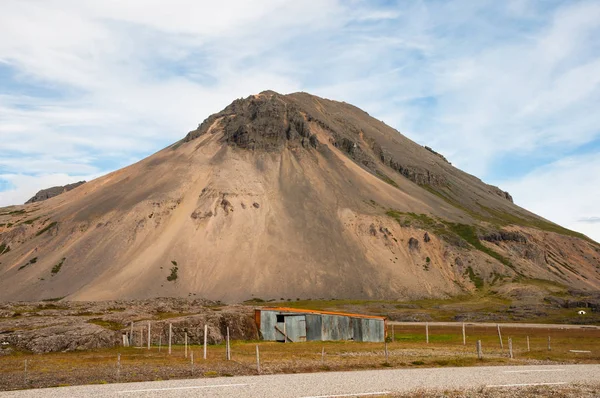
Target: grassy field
<point>480,305</point>
<point>407,350</point>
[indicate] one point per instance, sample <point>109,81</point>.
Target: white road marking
<point>578,351</point>
<point>363,394</point>
<point>534,370</point>
<point>525,384</point>
<point>184,388</point>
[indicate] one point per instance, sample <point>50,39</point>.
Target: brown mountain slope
<point>284,196</point>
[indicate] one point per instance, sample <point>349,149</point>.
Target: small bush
<point>46,228</point>
<point>32,261</point>
<point>173,276</point>
<point>58,266</point>
<point>476,279</point>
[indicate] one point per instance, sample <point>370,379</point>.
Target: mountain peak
<point>285,196</point>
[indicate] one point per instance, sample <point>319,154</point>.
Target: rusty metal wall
<point>313,327</point>
<point>268,320</point>
<point>321,327</point>
<point>335,327</point>
<point>371,330</point>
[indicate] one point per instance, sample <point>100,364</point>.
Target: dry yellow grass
<point>408,350</point>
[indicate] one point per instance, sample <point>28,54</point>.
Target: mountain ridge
<point>286,196</point>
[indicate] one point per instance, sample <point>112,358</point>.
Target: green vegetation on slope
<point>386,178</point>
<point>453,233</point>
<point>4,248</point>
<point>32,261</point>
<point>469,234</point>
<point>46,228</point>
<point>173,276</point>
<point>57,267</point>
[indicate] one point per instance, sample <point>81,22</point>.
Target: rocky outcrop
<point>501,193</point>
<point>263,122</point>
<point>48,193</point>
<point>413,244</point>
<point>72,326</point>
<point>503,236</point>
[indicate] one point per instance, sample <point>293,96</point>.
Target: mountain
<point>286,196</point>
<point>48,193</point>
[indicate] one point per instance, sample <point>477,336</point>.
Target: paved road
<point>334,384</point>
<point>504,325</point>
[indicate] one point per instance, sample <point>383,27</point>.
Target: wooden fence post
<point>500,336</point>
<point>149,335</point>
<point>479,350</point>
<point>185,343</point>
<point>510,350</point>
<point>549,343</point>
<point>528,348</point>
<point>323,356</point>
<point>170,336</point>
<point>464,334</point>
<point>159,342</point>
<point>192,360</point>
<point>131,344</point>
<point>118,366</point>
<point>227,347</point>
<point>427,332</point>
<point>386,352</point>
<point>257,360</point>
<point>205,335</point>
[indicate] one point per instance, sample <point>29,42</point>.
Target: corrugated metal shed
<point>294,325</point>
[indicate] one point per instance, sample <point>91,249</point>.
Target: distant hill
<point>48,193</point>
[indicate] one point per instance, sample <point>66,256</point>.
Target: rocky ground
<point>42,327</point>
<point>571,391</point>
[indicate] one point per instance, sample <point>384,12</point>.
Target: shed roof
<point>299,310</point>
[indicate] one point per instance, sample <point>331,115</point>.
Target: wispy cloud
<point>590,220</point>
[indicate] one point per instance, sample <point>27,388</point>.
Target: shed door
<point>279,328</point>
<point>295,327</point>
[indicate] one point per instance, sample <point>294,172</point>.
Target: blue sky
<point>508,91</point>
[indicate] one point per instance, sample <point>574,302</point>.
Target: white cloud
<point>111,81</point>
<point>565,192</point>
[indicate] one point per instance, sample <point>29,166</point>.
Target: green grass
<point>46,228</point>
<point>4,248</point>
<point>469,234</point>
<point>502,218</point>
<point>418,220</point>
<point>31,221</point>
<point>418,337</point>
<point>386,178</point>
<point>14,213</point>
<point>32,261</point>
<point>505,218</point>
<point>54,299</point>
<point>57,267</point>
<point>107,324</point>
<point>476,279</point>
